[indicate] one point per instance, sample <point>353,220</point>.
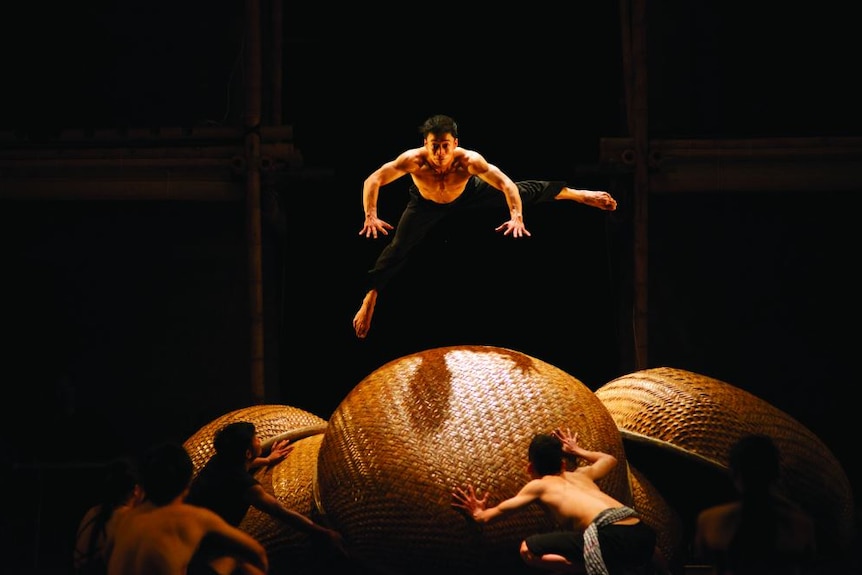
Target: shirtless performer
<point>447,178</point>
<point>162,535</point>
<point>599,535</point>
<point>762,532</point>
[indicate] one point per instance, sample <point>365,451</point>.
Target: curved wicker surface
<point>270,421</point>
<point>699,417</point>
<point>658,514</point>
<point>418,426</point>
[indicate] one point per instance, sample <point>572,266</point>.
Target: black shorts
<point>620,544</point>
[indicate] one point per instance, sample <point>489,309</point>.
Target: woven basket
<point>695,416</point>
<point>418,426</point>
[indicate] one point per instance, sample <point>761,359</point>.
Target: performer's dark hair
<point>439,125</point>
<point>234,439</point>
<point>546,454</point>
<point>166,470</point>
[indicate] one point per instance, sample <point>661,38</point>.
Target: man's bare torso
<point>445,184</point>
<point>575,500</point>
<point>156,540</point>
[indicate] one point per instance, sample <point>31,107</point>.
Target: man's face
<point>441,148</point>
<point>256,449</point>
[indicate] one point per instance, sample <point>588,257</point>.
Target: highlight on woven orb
<point>696,416</point>
<point>290,481</point>
<point>418,426</point>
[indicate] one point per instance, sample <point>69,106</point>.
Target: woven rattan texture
<point>418,426</point>
<point>658,514</point>
<point>701,417</point>
<point>269,421</point>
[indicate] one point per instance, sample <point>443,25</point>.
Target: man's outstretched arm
<point>385,174</point>
<point>494,176</point>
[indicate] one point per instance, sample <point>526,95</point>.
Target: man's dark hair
<point>234,439</point>
<point>546,454</point>
<point>439,125</point>
<point>166,471</point>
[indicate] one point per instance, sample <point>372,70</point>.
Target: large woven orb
<point>420,425</point>
<point>695,416</point>
<point>290,481</point>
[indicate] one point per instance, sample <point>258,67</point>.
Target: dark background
<point>127,322</point>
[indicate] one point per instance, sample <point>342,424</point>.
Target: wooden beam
<point>635,75</point>
<point>813,164</point>
<point>166,188</point>
<point>252,120</point>
<point>163,164</point>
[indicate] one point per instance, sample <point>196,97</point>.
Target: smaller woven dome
<point>290,481</point>
<point>698,417</point>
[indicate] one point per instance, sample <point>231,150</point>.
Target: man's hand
<point>569,440</point>
<point>373,226</point>
<point>467,499</point>
<point>279,450</point>
<point>514,227</point>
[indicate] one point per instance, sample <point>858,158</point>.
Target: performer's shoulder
<point>467,157</point>
<point>412,159</point>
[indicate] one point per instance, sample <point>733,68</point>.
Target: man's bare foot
<point>362,319</point>
<point>601,200</point>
